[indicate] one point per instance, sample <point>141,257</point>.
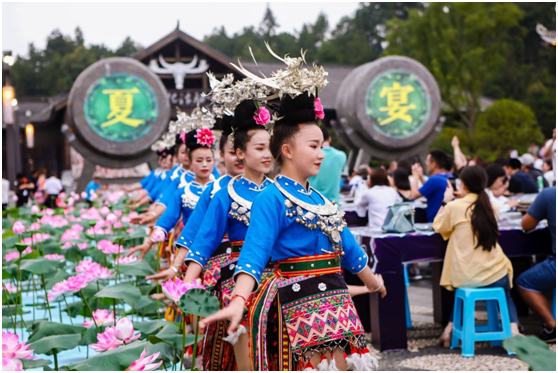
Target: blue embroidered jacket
<point>273,234</point>
<point>191,229</point>
<point>183,202</point>
<point>219,219</point>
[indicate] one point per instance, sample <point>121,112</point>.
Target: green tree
<point>505,124</point>
<point>52,71</point>
<point>462,44</point>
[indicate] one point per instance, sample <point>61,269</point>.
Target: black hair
<point>401,179</point>
<point>480,161</point>
<point>192,142</point>
<point>439,157</point>
<point>378,176</point>
<point>326,134</point>
<point>407,165</point>
<point>226,128</point>
<point>502,161</point>
<point>293,111</point>
<point>549,162</point>
<point>243,122</point>
<point>165,152</point>
<point>515,164</point>
<point>450,164</point>
<point>483,219</point>
<point>493,172</point>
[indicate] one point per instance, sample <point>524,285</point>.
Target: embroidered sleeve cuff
<point>195,257</point>
<point>357,265</point>
<point>256,279</point>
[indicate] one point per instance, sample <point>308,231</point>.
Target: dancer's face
<point>201,162</point>
<point>257,155</point>
<point>182,157</point>
<point>232,163</point>
<point>305,150</point>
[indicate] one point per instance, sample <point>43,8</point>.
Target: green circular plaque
<point>397,104</point>
<point>121,107</point>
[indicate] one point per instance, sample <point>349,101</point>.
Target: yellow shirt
<point>465,265</point>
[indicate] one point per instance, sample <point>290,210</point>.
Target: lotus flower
<point>78,282</point>
<point>106,341</point>
<point>34,227</point>
<point>93,196</point>
<point>111,218</point>
<point>13,352</point>
<point>105,211</point>
<point>158,235</point>
<point>102,317</point>
<point>77,228</point>
<point>87,266</point>
<point>175,288</point>
<point>126,259</point>
<point>118,213</point>
<point>49,211</point>
<point>124,330</point>
<point>83,195</point>
<point>118,225</point>
<point>133,214</point>
<point>18,227</point>
<point>63,195</point>
<point>35,209</point>
<point>59,257</point>
<point>10,288</point>
<point>145,363</point>
<point>130,230</point>
<point>11,256</point>
<point>58,289</point>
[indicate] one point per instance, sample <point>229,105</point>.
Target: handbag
<point>400,218</point>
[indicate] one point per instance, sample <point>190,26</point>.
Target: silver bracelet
<point>174,269</point>
<point>154,214</point>
<point>379,287</point>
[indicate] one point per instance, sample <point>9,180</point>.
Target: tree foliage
<point>53,70</point>
<point>507,123</point>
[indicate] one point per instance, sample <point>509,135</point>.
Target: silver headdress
<point>199,118</point>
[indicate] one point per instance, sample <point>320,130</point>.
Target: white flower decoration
<point>322,286</point>
<point>296,287</point>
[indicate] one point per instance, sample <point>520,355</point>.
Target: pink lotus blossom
<point>108,247</point>
<point>205,137</point>
<point>111,218</point>
<point>35,209</point>
<point>13,352</point>
<point>83,194</point>
<point>319,109</point>
<point>124,330</point>
<point>62,195</point>
<point>133,214</point>
<point>11,256</point>
<point>118,225</point>
<point>87,266</point>
<point>105,211</point>
<point>15,198</point>
<point>34,227</point>
<point>49,211</point>
<point>96,230</point>
<point>77,228</point>
<point>175,288</point>
<point>158,235</point>
<point>10,288</point>
<point>102,317</point>
<point>18,227</point>
<point>106,341</point>
<point>83,246</point>
<point>125,219</point>
<point>126,259</point>
<point>76,196</point>
<point>77,282</point>
<point>70,234</point>
<point>93,196</point>
<point>118,213</point>
<point>103,272</point>
<point>145,363</point>
<point>262,117</point>
<point>130,230</point>
<point>36,238</point>
<point>59,257</point>
<point>71,201</point>
<point>58,289</point>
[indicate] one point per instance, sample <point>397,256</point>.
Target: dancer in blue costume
<point>229,211</point>
<point>301,317</point>
<point>165,157</point>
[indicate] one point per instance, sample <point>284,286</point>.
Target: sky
<point>110,23</point>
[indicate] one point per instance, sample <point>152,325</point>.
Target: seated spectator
<point>378,198</point>
<point>359,183</point>
<point>402,184</point>
<point>497,186</point>
<point>433,188</point>
<point>520,182</point>
<point>528,166</point>
<point>548,172</point>
<point>542,277</point>
<point>478,161</point>
<point>473,257</point>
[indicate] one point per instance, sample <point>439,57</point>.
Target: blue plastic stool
<point>464,327</point>
<point>407,308</point>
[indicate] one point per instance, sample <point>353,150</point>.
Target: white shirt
<point>550,176</point>
<point>499,202</point>
<point>378,199</point>
<point>53,186</point>
<point>548,143</point>
<point>5,191</point>
<point>355,180</point>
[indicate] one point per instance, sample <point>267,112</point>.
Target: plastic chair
<point>407,308</point>
<point>464,327</point>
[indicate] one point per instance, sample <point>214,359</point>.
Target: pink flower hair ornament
<point>262,117</point>
<point>319,109</point>
<point>205,137</point>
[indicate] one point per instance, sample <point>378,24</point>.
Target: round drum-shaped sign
<point>119,107</point>
<point>397,104</point>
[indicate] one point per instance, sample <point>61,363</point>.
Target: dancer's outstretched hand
<point>163,275</point>
<point>233,313</point>
<point>143,249</point>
